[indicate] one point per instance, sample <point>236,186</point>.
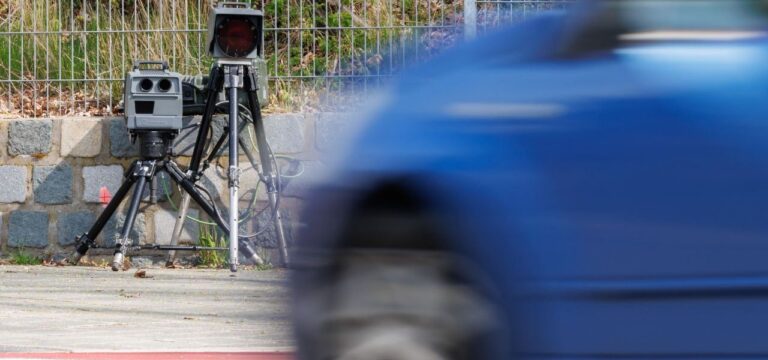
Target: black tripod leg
<point>215,84</point>
<point>120,246</point>
<point>245,247</point>
<point>86,240</point>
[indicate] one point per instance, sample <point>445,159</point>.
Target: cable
<point>246,115</point>
<point>278,189</point>
<point>213,203</point>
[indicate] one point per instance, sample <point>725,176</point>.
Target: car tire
<point>390,291</point>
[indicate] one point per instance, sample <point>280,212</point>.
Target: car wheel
<point>391,292</point>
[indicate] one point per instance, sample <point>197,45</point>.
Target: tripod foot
<point>74,259</point>
<point>233,268</point>
<point>256,260</point>
<point>117,261</point>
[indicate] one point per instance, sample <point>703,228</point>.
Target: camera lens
<point>164,85</point>
<point>145,85</point>
<point>236,36</point>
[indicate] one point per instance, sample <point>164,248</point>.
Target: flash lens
<point>236,37</point>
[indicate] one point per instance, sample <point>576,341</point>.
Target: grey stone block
<point>249,180</point>
<point>119,142</point>
<point>114,227</point>
<point>52,184</point>
<point>268,239</point>
<point>30,137</point>
<point>96,177</point>
<point>141,262</point>
<point>247,136</point>
<point>60,258</point>
<point>71,225</point>
<point>14,184</point>
<point>309,172</point>
<point>28,229</point>
<point>184,143</point>
<point>165,221</point>
<point>285,133</point>
<point>329,128</point>
<point>215,184</point>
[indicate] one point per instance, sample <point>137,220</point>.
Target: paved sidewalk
<point>89,309</point>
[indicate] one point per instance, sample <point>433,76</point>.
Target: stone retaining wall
<point>52,172</point>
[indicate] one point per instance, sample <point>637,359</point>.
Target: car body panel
<point>618,201</point>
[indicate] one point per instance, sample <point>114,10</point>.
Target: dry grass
<point>89,40</point>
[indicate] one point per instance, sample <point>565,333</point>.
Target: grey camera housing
<point>220,14</point>
<point>153,98</point>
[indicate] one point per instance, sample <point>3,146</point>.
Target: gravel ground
<point>84,309</point>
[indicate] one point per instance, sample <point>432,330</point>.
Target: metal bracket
<point>233,77</point>
<point>145,169</point>
<point>234,176</point>
<point>84,239</point>
<point>253,78</point>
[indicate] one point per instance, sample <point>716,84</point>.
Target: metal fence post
<point>470,19</point>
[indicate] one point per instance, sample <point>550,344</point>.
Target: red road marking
<point>154,356</point>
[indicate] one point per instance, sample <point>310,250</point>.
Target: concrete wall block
<point>329,128</point>
<point>81,137</point>
<point>165,221</point>
<point>52,184</point>
<point>300,185</point>
<point>70,225</point>
<point>14,184</point>
<point>30,137</point>
<point>96,177</point>
<point>285,133</point>
<point>28,229</point>
<point>185,141</point>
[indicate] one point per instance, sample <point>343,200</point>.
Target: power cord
<point>246,116</point>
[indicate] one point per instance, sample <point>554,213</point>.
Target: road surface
<point>51,311</point>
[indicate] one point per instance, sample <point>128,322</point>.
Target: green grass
<point>326,50</point>
<point>21,257</point>
<point>210,237</point>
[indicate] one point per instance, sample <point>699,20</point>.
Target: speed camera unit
<point>153,97</point>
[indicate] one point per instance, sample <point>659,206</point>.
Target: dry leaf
<point>141,273</point>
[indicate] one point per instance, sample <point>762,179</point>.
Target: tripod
<point>155,150</point>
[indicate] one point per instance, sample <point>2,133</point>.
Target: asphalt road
<point>89,309</point>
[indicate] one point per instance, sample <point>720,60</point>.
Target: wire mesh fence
<point>68,57</point>
<point>493,13</point>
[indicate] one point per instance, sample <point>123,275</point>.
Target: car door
<point>656,187</point>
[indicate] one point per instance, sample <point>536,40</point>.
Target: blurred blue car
<point>584,185</point>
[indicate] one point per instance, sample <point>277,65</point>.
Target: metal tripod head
<point>155,144</point>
